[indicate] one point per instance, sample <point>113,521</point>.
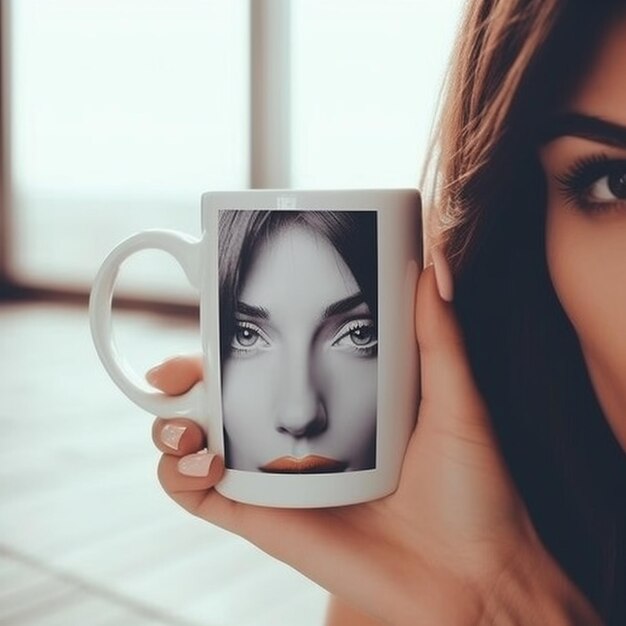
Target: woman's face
<point>585,166</point>
<point>299,386</point>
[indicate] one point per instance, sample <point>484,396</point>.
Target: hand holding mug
<point>309,400</point>
<point>453,544</point>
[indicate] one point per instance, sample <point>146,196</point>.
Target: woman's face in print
<point>299,386</point>
<point>585,169</point>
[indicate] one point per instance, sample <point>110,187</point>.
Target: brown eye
<point>617,184</point>
<point>609,188</point>
<point>595,184</point>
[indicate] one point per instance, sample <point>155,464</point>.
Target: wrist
<point>535,590</point>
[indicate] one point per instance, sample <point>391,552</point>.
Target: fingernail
<point>197,464</point>
<point>170,435</point>
<point>443,275</point>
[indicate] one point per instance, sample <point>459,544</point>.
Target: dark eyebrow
<point>584,126</point>
<point>343,306</point>
<point>253,311</point>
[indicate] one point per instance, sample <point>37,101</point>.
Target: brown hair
<point>515,63</point>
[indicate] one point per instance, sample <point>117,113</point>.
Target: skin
<point>454,544</point>
<point>456,527</point>
<point>297,384</point>
<point>586,253</point>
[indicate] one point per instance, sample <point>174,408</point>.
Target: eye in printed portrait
<point>298,339</point>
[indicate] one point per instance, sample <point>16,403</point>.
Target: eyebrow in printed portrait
<point>345,305</point>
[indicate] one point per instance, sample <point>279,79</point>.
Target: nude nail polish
<point>443,275</point>
<point>198,464</point>
<point>170,435</point>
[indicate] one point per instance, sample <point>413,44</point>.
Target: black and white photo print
<point>298,310</point>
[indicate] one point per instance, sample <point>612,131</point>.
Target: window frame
<point>269,140</point>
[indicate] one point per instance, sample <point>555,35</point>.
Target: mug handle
<point>187,251</point>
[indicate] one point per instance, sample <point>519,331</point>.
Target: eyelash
<point>353,326</point>
<point>587,171</point>
<point>254,329</point>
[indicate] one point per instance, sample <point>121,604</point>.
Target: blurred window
<point>124,111</point>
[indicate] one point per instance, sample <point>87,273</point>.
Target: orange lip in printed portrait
<point>311,464</point>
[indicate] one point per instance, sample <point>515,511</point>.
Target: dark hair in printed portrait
<point>241,233</point>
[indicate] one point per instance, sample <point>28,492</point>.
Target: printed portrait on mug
<point>298,292</point>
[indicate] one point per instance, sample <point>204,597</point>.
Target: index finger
<point>176,375</point>
<point>448,383</point>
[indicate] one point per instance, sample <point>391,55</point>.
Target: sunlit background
<point>116,116</point>
<point>124,112</point>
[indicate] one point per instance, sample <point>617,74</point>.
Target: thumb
<point>449,395</point>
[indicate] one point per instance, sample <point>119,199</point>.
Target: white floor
<point>86,534</point>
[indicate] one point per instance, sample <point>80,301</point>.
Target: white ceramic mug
<point>307,320</point>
